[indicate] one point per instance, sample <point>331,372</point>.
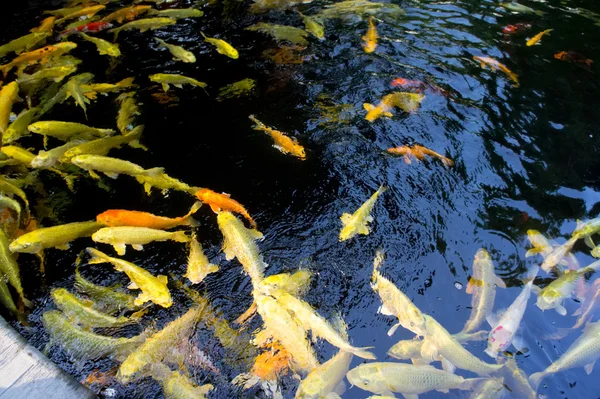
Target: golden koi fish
<point>283,143</point>
<point>357,223</point>
<point>495,65</point>
<point>370,38</point>
<point>418,152</point>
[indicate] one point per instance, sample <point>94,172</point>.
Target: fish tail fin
<point>154,171</point>
<point>96,256</point>
<point>189,220</point>
<point>363,352</point>
<point>161,42</point>
<point>531,275</point>
<point>4,69</point>
<point>536,378</point>
<point>27,302</point>
<point>180,236</point>
<point>471,383</point>
<point>378,260</point>
<point>203,35</point>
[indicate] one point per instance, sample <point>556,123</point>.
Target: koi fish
<point>103,145</point>
<point>326,378</point>
<point>538,37</point>
<point>104,47</point>
<point>198,266</point>
<point>111,167</point>
<point>33,57</point>
<point>53,237</point>
<point>223,202</point>
<point>165,79</point>
<point>495,65</point>
<point>10,268</point>
<point>8,95</point>
<point>178,52</point>
<point>506,326</point>
<point>137,237</point>
<point>153,288</point>
<point>312,26</point>
<point>418,152</point>
<point>357,223</point>
<point>410,349</point>
<point>516,7</point>
<point>586,311</point>
<point>86,12</point>
<point>65,131</point>
<point>283,143</point>
<point>558,254</point>
<point>164,182</point>
<point>222,47</point>
<point>47,159</point>
<point>512,29</point>
<point>121,217</point>
<point>403,82</point>
<point>57,74</point>
<point>144,25</point>
<point>370,38</point>
<point>92,27</point>
<point>177,13</point>
<point>127,13</point>
<point>408,102</point>
<point>107,298</point>
<point>23,43</point>
<point>128,109</point>
<point>572,56</point>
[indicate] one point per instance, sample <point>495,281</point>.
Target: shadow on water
<point>525,157</point>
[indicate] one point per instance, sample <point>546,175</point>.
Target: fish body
<point>406,101</point>
<point>223,202</point>
<point>82,312</point>
<point>122,217</point>
<point>325,378</point>
<point>496,65</point>
<point>8,95</point>
<point>505,328</point>
<point>17,153</point>
<point>385,378</point>
<point>106,298</point>
<point>46,26</point>
<point>144,25</point>
<point>153,288</point>
<point>283,143</point>
<point>516,7</point>
<point>558,254</point>
<point>178,386</point>
<point>536,39</point>
<point>87,12</point>
<point>10,268</point>
<point>53,237</point>
<point>178,13</point>
<point>237,89</point>
<point>280,325</point>
<point>587,228</point>
<point>313,26</point>
<point>111,167</point>
<point>239,242</point>
<point>492,388</point>
<point>126,14</point>
<point>92,90</point>
<point>410,349</point>
<point>84,344</point>
<point>47,159</point>
<point>483,287</point>
<point>198,266</point>
<point>40,55</point>
<point>418,152</point>
<point>164,182</point>
<point>357,223</point>
<point>166,79</point>
<point>23,43</point>
<point>158,346</point>
<point>179,53</point>
<point>222,47</point>
<point>554,294</point>
<point>572,56</point>
<point>8,187</point>
<point>104,47</point>
<point>281,33</point>
<point>588,308</point>
<point>91,27</point>
<point>375,112</point>
<point>540,244</point>
<point>516,381</point>
<point>395,302</point>
<point>73,87</point>
<point>128,109</point>
<point>582,353</point>
<point>516,28</point>
<point>103,145</point>
<point>18,128</point>
<point>57,74</point>
<point>439,342</point>
<point>120,236</point>
<point>370,38</point>
<point>67,130</point>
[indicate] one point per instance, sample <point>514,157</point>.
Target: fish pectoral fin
<point>588,241</point>
<point>561,310</point>
<point>133,286</point>
<point>62,247</point>
<point>532,251</point>
<point>364,229</point>
<point>429,351</point>
<point>165,87</point>
<point>448,366</point>
<point>577,312</point>
<point>340,389</point>
<point>385,311</point>
<point>499,282</point>
<point>93,174</point>
<point>141,299</point>
<point>470,286</point>
<point>178,85</point>
<point>443,390</point>
<point>257,235</point>
<point>215,208</point>
<point>228,250</point>
<point>120,249</point>
<point>409,395</point>
<point>345,218</point>
<point>536,289</point>
<point>388,114</point>
<point>393,329</point>
<point>519,343</point>
<point>111,175</point>
<point>137,247</point>
<point>589,367</point>
<point>493,319</point>
<point>369,219</point>
<point>368,107</point>
<point>162,279</point>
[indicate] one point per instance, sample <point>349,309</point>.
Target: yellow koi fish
<point>222,47</point>
<point>111,167</point>
<point>137,237</point>
<point>357,223</point>
<point>283,143</point>
<point>53,237</point>
<point>198,264</point>
<point>370,38</point>
<point>8,95</point>
<point>536,39</point>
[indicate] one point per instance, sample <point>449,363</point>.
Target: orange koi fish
<point>223,202</point>
<point>285,144</point>
<point>572,56</point>
<point>39,55</point>
<point>418,152</point>
<point>370,38</point>
<point>495,65</point>
<point>122,217</point>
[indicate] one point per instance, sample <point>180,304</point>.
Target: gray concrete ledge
<point>27,374</point>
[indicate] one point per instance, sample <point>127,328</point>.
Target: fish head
<point>42,160</point>
<point>368,378</point>
<point>406,349</point>
<point>548,298</point>
<point>25,245</point>
<point>482,256</point>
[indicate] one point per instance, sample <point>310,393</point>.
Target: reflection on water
<point>525,158</point>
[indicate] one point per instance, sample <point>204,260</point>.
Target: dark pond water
<point>525,158</point>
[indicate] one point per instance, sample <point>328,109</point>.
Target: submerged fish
<point>326,378</point>
<point>238,242</point>
<point>160,345</point>
<point>33,57</point>
<point>395,302</point>
<point>177,386</point>
<point>418,152</point>
<point>492,388</point>
<point>558,254</point>
<point>164,182</point>
<point>144,25</point>
<point>126,13</point>
<point>516,381</point>
<point>512,29</point>
<point>370,38</point>
<point>83,313</point>
<point>8,95</point>
<point>57,74</point>
<point>357,223</point>
<point>536,39</point>
<point>91,27</point>
<point>223,202</point>
<point>482,285</point>
<point>18,128</point>
<point>122,217</point>
<point>23,43</point>
<point>177,13</point>
<point>67,130</point>
<point>107,298</point>
<point>104,47</point>
<point>222,47</point>
<point>178,52</point>
<point>53,237</point>
<point>47,159</point>
<point>153,288</point>
<point>572,56</point>
<point>410,349</point>
<point>10,268</point>
<point>408,102</point>
<point>111,167</point>
<point>495,65</point>
<point>386,378</point>
<point>312,26</point>
<point>85,12</point>
<point>198,266</point>
<point>505,327</point>
<point>166,79</point>
<point>582,353</point>
<point>103,145</point>
<point>6,299</point>
<point>540,244</point>
<point>121,236</point>
<point>285,144</point>
<point>516,7</point>
<point>84,344</point>
<point>128,109</point>
<point>554,294</point>
<point>240,88</point>
<point>73,87</point>
<point>281,33</point>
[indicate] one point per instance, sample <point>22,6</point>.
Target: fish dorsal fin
<point>162,279</point>
<point>368,107</point>
<point>561,310</point>
<point>340,389</point>
<point>345,218</point>
<point>340,326</point>
<point>133,286</point>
